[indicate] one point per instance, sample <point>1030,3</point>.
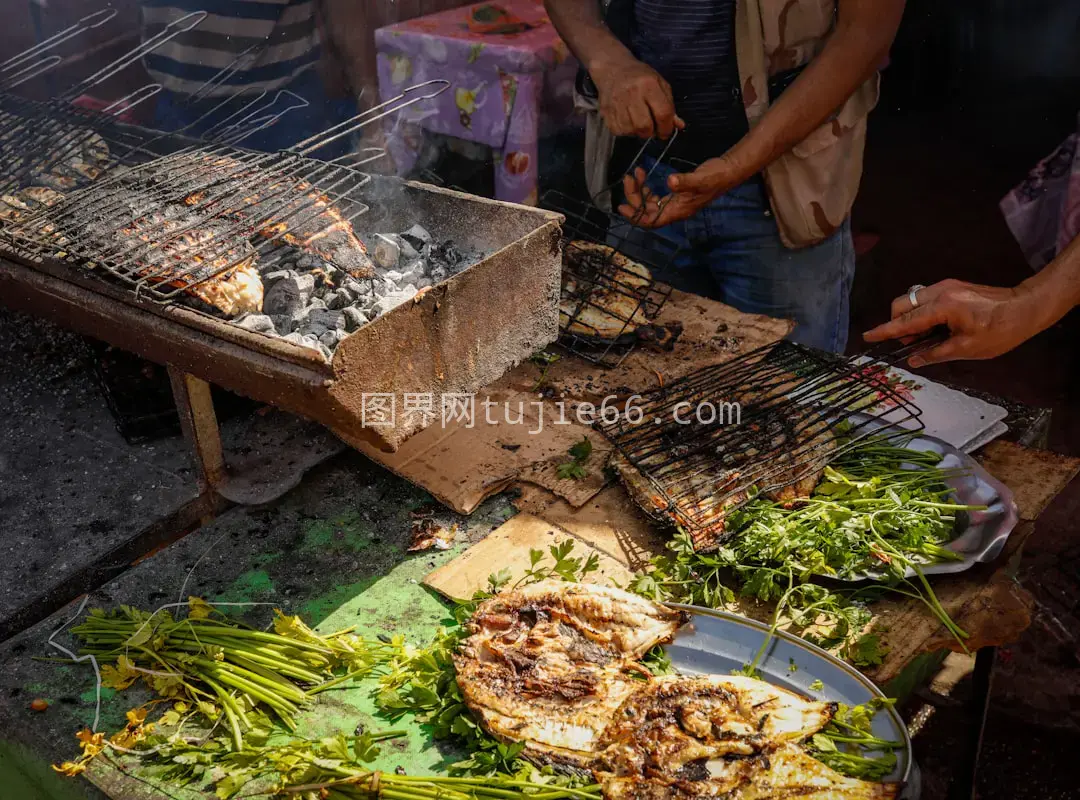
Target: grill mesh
<point>765,423</point>
<point>607,299</point>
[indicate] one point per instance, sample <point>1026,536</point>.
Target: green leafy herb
<point>847,743</point>
<point>575,468</point>
<point>880,509</point>
<point>817,685</point>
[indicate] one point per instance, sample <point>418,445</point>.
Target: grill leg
<point>199,423</point>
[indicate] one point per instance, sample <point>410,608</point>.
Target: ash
<point>312,303</point>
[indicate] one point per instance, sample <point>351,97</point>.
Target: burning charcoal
<point>289,295</point>
<point>387,251</point>
<point>339,299</point>
<point>408,252</point>
<point>310,340</point>
<point>408,291</point>
<point>354,318</point>
<point>306,261</point>
<point>417,232</point>
<point>272,277</point>
<point>448,254</point>
<point>423,283</point>
<point>321,320</point>
<point>331,338</point>
<point>295,338</point>
<point>439,274</point>
<point>329,356</point>
<point>283,324</point>
<point>412,272</point>
<point>356,288</point>
<point>260,323</point>
<point>393,276</point>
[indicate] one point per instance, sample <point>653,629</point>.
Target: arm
<point>634,99</point>
<point>865,30</point>
<point>987,321</point>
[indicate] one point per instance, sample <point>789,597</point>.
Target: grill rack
<point>600,282</point>
<point>797,409</point>
<point>232,191</point>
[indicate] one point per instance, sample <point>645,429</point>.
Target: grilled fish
<point>171,247</point>
<point>676,720</point>
<point>548,664</point>
<point>786,773</point>
<point>779,451</point>
<point>734,737</point>
<point>284,209</point>
<point>603,292</point>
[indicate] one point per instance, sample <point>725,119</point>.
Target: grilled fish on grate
<point>284,209</point>
<point>720,736</point>
<point>186,251</point>
<point>549,663</point>
<point>602,295</point>
<point>780,449</point>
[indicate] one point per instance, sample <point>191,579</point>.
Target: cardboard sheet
<point>464,462</point>
<point>508,548</point>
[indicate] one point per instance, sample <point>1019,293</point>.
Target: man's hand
<point>985,321</point>
<point>634,99</point>
<point>690,192</point>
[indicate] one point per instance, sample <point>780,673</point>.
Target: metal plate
<point>987,531</point>
<point>716,642</point>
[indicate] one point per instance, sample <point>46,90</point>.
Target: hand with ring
<point>984,321</point>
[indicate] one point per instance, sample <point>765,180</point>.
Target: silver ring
<point>912,292</point>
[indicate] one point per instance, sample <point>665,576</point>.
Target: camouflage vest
<point>813,187</point>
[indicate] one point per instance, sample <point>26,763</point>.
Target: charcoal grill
<point>758,425</point>
<point>455,338</point>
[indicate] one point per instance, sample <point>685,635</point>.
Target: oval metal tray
<point>986,532</point>
<point>716,642</point>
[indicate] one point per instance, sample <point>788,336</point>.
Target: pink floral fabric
<point>1043,212</point>
<point>511,81</point>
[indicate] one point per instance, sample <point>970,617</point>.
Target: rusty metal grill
<point>609,295</point>
<point>765,423</point>
<point>172,223</point>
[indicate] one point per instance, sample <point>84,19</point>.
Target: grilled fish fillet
<point>734,737</point>
<point>602,291</point>
<point>676,720</point>
<point>548,664</point>
<point>173,249</point>
<point>283,209</point>
<point>787,773</point>
<point>782,453</point>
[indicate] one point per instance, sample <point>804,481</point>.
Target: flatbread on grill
<point>603,292</point>
<point>549,663</point>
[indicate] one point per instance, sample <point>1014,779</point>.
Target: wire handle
<point>365,118</point>
<point>133,99</point>
<point>891,353</point>
<point>183,24</point>
<point>602,199</point>
<point>30,72</point>
<point>249,123</point>
<point>243,60</point>
<point>88,22</point>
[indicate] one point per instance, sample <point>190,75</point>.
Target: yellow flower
<point>198,608</point>
<point>136,716</point>
<point>70,768</point>
<point>91,743</point>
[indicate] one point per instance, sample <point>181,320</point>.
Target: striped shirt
<point>279,40</point>
<point>691,43</point>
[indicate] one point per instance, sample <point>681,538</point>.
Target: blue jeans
<point>731,251</point>
<point>173,113</point>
